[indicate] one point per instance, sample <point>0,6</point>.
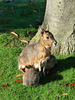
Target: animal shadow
<point>62,65</point>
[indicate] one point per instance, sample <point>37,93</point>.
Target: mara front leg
<point>40,70</point>
<point>44,69</point>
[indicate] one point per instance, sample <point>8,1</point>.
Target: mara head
<point>47,37</point>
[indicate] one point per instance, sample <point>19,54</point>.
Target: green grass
<point>10,48</point>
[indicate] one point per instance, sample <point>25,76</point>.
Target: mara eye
<point>47,37</point>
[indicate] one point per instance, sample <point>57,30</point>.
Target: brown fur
<point>37,54</point>
<point>51,62</point>
<point>30,76</point>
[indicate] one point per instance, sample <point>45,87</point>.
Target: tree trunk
<point>60,16</point>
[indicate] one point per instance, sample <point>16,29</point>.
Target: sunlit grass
<point>19,18</point>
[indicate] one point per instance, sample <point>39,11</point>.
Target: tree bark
<point>60,16</point>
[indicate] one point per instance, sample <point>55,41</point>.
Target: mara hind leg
<point>22,70</point>
<point>21,67</point>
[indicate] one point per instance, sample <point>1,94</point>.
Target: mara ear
<point>41,31</point>
<point>47,28</point>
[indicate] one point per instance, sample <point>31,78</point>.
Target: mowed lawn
<point>24,18</point>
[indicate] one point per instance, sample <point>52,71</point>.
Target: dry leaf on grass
<point>64,94</point>
<point>19,75</point>
<point>32,0</point>
<point>65,84</point>
<point>34,11</point>
<point>38,9</point>
<point>30,25</point>
<point>22,14</point>
<point>24,41</point>
<point>73,84</point>
<point>27,32</point>
<point>1,11</point>
<point>31,3</point>
<point>5,22</point>
<point>5,85</point>
<point>18,80</point>
<point>38,20</point>
<point>2,17</point>
<point>14,33</point>
<point>0,74</point>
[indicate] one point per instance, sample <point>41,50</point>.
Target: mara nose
<point>55,43</point>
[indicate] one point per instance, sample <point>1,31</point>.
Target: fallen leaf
<point>73,84</point>
<point>34,11</point>
<point>5,85</point>
<point>1,11</point>
<point>5,22</point>
<point>22,13</point>
<point>19,75</point>
<point>64,94</point>
<point>38,9</point>
<point>14,34</point>
<point>27,32</point>
<point>38,20</point>
<point>65,84</point>
<point>18,80</point>
<point>30,25</point>
<point>32,0</point>
<point>1,17</point>
<point>31,3</point>
<point>24,41</point>
<point>0,74</point>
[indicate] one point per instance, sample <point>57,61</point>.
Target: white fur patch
<point>21,66</point>
<point>36,66</point>
<point>47,47</point>
<point>54,44</point>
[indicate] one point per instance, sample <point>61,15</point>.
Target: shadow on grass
<point>26,14</point>
<point>63,64</point>
<point>23,18</point>
<point>50,78</point>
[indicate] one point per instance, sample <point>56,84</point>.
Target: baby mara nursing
<point>30,77</point>
<point>37,54</point>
